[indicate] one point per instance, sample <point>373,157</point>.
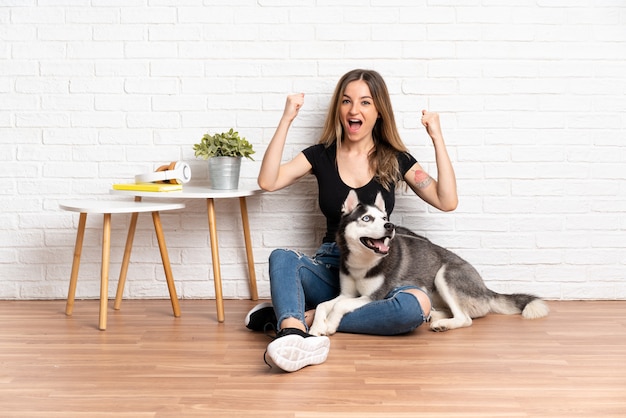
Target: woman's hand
<point>293,105</point>
<point>430,120</point>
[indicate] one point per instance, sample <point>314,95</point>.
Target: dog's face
<point>367,227</point>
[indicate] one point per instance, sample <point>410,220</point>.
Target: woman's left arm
<point>440,193</point>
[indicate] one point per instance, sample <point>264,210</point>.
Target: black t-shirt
<point>332,191</point>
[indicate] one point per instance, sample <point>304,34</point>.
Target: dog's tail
<point>531,307</point>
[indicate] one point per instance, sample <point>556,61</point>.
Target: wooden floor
<point>150,364</point>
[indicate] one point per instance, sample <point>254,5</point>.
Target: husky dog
<point>378,256</point>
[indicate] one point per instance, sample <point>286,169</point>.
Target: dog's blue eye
<point>366,218</point>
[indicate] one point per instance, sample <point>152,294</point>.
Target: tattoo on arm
<point>422,179</point>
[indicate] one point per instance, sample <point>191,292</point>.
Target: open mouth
<point>378,245</point>
<point>354,124</point>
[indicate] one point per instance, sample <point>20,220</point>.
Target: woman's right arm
<point>274,175</point>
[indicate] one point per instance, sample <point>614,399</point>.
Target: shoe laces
<point>265,359</point>
<point>270,331</point>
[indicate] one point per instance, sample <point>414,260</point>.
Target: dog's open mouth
<point>378,245</point>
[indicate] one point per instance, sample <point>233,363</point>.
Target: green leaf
<point>224,144</point>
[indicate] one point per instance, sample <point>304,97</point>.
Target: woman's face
<point>357,111</point>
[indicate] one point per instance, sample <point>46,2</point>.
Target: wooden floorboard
<point>150,364</point>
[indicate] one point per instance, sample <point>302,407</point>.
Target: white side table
<point>107,208</point>
<point>199,192</point>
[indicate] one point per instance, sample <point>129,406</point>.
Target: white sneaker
<point>294,349</point>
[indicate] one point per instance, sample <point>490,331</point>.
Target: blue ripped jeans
<point>299,282</point>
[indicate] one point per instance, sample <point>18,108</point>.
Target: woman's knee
<point>412,313</point>
<point>422,298</point>
<point>285,264</point>
<point>281,256</point>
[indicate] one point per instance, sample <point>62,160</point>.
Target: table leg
<point>254,294</point>
<point>78,249</point>
<point>215,257</point>
<point>104,277</point>
<point>166,263</point>
<point>125,260</point>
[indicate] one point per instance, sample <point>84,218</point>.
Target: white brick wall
<point>532,96</point>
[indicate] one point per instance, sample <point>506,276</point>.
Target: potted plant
<point>224,152</point>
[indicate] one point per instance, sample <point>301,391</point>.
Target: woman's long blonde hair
<point>387,141</point>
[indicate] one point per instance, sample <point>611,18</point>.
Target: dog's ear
<point>351,202</point>
<point>380,202</point>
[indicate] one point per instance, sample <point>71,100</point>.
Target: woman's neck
<point>362,147</point>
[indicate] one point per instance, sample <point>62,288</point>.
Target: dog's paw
<point>319,326</point>
<point>317,330</point>
<point>438,326</point>
<point>332,323</point>
<point>448,324</point>
<point>330,330</point>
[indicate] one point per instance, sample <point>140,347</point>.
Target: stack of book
<point>149,187</point>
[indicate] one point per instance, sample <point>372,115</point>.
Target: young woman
<point>359,149</point>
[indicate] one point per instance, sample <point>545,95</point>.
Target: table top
<point>105,206</point>
<point>193,192</point>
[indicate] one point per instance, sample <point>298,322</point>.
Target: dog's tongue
<point>381,245</point>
